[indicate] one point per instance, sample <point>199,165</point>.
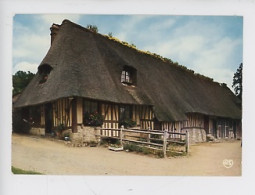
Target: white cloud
<point>31,46</point>
<point>25,66</point>
<point>221,75</point>
<point>130,26</point>
<point>207,51</point>
<point>184,48</point>
<point>32,43</point>
<point>219,55</point>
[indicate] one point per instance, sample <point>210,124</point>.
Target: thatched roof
<point>89,65</point>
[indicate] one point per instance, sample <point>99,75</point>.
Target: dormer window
<point>125,77</point>
<point>44,71</point>
<point>128,75</point>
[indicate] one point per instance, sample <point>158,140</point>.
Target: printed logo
<point>228,163</point>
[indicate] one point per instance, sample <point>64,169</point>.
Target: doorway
<point>48,117</point>
<point>215,128</point>
<point>206,124</point>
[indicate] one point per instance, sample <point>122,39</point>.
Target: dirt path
<point>54,157</point>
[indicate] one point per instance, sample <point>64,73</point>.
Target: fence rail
<point>145,137</point>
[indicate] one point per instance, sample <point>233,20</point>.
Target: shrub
<point>107,141</point>
<point>160,154</point>
<point>61,127</point>
<point>110,34</point>
<point>156,137</point>
<point>136,148</point>
<point>93,28</point>
<point>92,144</point>
<point>173,153</point>
<point>128,123</point>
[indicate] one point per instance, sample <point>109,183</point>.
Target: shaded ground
<point>54,157</point>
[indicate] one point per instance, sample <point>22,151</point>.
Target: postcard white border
<point>13,184</point>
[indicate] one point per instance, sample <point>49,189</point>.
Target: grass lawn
<point>21,171</point>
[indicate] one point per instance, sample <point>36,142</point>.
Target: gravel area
<point>54,157</point>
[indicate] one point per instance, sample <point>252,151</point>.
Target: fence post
<point>100,137</point>
<point>187,141</point>
<point>149,135</point>
<point>121,135</point>
<point>164,143</point>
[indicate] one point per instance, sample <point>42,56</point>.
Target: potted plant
<point>67,137</point>
<point>59,130</point>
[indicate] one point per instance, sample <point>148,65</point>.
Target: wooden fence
<point>146,137</point>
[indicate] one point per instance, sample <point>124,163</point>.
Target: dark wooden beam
<point>74,115</point>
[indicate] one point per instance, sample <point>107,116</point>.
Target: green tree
<point>20,80</point>
<point>237,81</point>
<point>92,28</point>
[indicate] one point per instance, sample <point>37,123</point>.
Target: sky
<point>209,45</point>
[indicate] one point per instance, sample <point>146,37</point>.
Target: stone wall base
<point>37,131</point>
<point>85,135</point>
<point>196,135</point>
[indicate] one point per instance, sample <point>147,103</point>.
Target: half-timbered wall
<point>110,113</point>
<point>225,128</point>
<point>143,115</point>
<point>175,127</point>
<point>62,113</point>
<point>79,111</point>
<point>194,120</point>
<point>218,127</point>
<point>237,126</point>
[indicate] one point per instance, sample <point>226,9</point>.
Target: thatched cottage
<point>86,74</point>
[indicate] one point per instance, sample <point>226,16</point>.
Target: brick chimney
<point>54,31</point>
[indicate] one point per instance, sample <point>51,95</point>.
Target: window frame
<point>128,75</point>
<point>126,113</point>
<point>91,104</point>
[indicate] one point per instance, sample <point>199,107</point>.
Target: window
<point>125,116</point>
<point>128,75</point>
<point>44,71</point>
<point>91,115</point>
<point>90,106</point>
<point>125,77</point>
<point>125,112</point>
